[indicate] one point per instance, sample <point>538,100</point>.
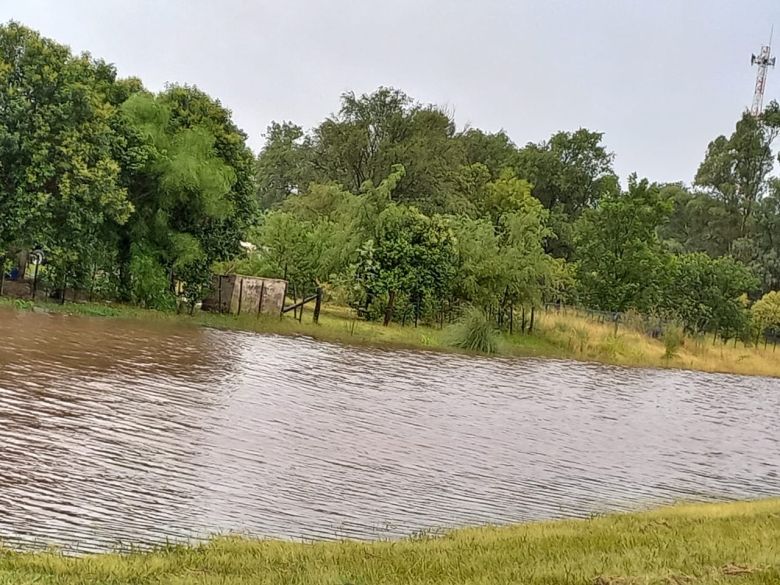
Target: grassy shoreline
<point>699,544</point>
<point>557,335</point>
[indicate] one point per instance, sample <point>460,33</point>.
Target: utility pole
<point>763,61</point>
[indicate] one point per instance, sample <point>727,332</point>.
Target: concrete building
<point>237,294</point>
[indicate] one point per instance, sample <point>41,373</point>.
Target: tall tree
<point>193,192</point>
<point>735,169</point>
<point>374,132</point>
<point>620,259</point>
<point>570,173</point>
<point>283,165</point>
<point>59,180</point>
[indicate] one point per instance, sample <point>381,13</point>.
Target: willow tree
<point>191,193</point>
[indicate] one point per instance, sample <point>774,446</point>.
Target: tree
<point>620,259</point>
<point>495,151</point>
<point>192,189</point>
<point>735,169</point>
<point>570,173</point>
<point>59,181</point>
<point>705,293</point>
<point>761,248</point>
<point>282,164</point>
<point>374,132</point>
<point>766,313</point>
<point>698,223</point>
<point>571,169</point>
<point>410,254</point>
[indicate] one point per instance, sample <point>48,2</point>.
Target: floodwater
<point>116,433</point>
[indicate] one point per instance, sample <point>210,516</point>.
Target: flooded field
<point>117,432</point>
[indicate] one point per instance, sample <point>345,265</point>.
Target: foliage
<point>704,293</point>
<point>139,196</point>
<point>59,179</point>
<point>282,164</point>
<point>475,332</point>
<point>673,337</point>
<point>734,169</point>
<point>151,285</point>
<point>410,255</point>
<point>766,313</point>
<point>621,262</point>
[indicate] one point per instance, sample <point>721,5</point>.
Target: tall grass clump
<point>673,337</point>
<point>475,332</point>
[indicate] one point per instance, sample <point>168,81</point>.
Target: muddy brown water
<point>116,433</point>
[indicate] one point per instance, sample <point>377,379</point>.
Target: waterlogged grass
<point>692,544</point>
<point>559,335</point>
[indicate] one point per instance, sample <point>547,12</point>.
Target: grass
<point>476,332</point>
<point>569,335</point>
<point>701,544</point>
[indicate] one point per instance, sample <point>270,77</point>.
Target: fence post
<point>219,293</point>
<point>284,300</point>
<point>240,295</point>
<point>511,318</point>
<point>531,324</point>
<point>35,281</point>
<point>64,286</point>
<point>260,302</point>
<point>318,305</point>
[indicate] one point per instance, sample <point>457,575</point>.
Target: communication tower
<point>764,61</point>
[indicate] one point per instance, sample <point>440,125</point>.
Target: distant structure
<point>764,62</point>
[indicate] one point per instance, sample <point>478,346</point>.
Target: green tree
<point>374,132</point>
<point>698,223</point>
<point>282,165</point>
<point>735,169</point>
<point>192,190</point>
<point>59,181</point>
<point>621,262</point>
<point>570,172</point>
<point>495,151</point>
<point>410,254</point>
<point>766,313</point>
<point>705,293</point>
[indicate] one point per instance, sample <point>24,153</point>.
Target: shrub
<point>673,337</point>
<point>475,332</point>
<point>151,287</point>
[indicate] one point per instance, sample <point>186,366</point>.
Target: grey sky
<point>660,78</point>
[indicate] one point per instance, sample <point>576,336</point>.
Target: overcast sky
<point>660,78</point>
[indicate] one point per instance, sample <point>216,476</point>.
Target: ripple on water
<point>117,432</point>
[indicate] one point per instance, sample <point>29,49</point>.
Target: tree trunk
<point>389,308</point>
<point>511,318</point>
<point>22,260</point>
<point>124,256</point>
<point>531,324</point>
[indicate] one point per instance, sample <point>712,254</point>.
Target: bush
<point>475,332</point>
<point>673,337</point>
<point>151,287</point>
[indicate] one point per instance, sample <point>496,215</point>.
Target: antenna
<point>764,61</point>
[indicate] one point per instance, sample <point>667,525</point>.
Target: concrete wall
<point>237,294</point>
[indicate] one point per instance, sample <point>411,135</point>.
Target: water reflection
<point>123,432</point>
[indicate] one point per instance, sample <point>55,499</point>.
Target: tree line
<point>387,204</point>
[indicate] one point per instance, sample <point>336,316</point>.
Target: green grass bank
<point>734,543</point>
